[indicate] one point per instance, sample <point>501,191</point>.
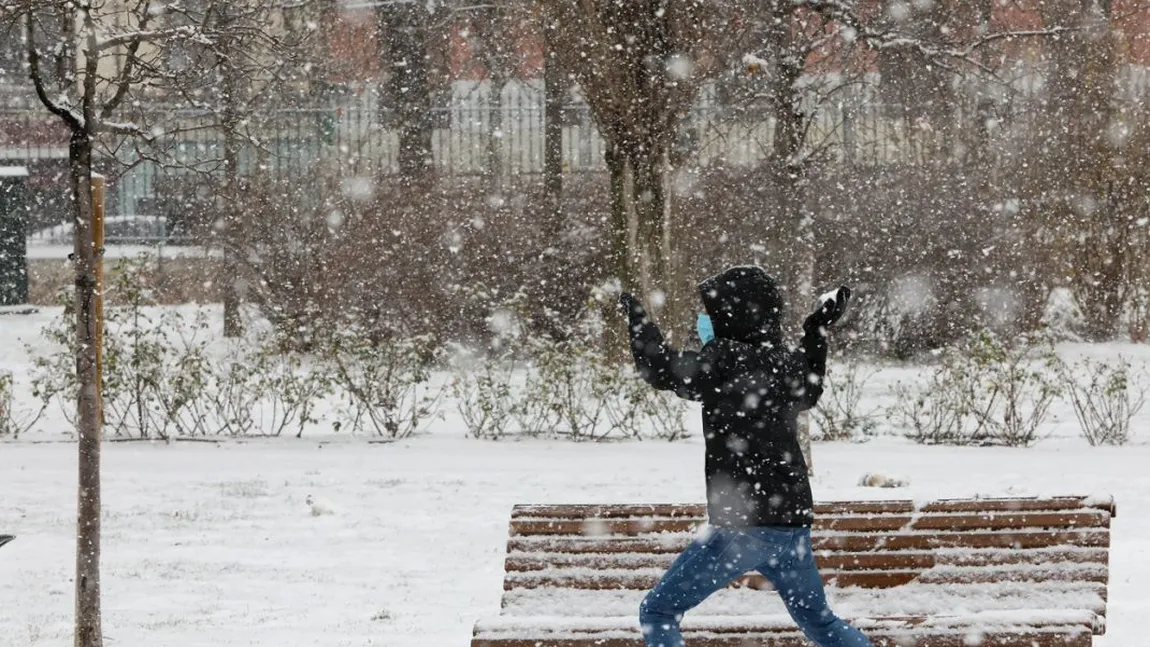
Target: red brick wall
<point>352,41</point>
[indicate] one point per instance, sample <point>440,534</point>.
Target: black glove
<point>830,311</point>
<point>630,308</point>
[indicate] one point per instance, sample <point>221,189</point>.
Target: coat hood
<point>744,305</point>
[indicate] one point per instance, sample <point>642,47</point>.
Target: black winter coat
<point>752,389</point>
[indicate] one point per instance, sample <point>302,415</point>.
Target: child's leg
<point>796,578</point>
<point>708,564</point>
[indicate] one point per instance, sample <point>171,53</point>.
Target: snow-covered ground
<point>332,540</point>
<point>54,251</point>
<point>403,543</point>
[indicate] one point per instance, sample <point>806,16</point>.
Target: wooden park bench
<point>1023,572</point>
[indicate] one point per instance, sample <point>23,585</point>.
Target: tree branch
<point>74,121</point>
<point>124,82</point>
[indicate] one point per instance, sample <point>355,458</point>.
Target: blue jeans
<point>782,555</point>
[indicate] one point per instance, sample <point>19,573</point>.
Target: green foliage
<point>1105,397</point>
<point>567,387</point>
<point>838,415</point>
<point>988,392</point>
<point>384,384</point>
<point>14,419</point>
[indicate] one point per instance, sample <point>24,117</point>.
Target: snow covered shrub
<point>384,383</point>
<point>483,395</point>
<point>14,420</point>
<point>1015,385</point>
<point>263,390</point>
<point>233,395</point>
<point>663,413</point>
<point>291,392</point>
<point>1105,397</point>
<point>932,412</point>
<point>575,385</point>
<point>54,372</point>
<point>987,392</point>
<point>154,360</point>
<point>838,415</point>
<point>137,349</point>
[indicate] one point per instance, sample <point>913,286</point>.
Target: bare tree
<point>233,84</point>
<point>640,66</point>
<point>98,66</point>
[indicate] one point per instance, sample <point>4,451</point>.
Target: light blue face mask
<point>705,328</point>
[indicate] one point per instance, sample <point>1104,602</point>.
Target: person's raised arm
<point>814,343</point>
<point>687,373</point>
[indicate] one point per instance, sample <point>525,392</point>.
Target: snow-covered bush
<point>54,373</point>
<point>575,386</point>
<point>384,384</point>
<point>838,415</point>
<point>484,396</point>
<point>160,379</point>
<point>536,385</point>
<point>155,360</point>
<point>931,412</point>
<point>663,413</point>
<point>1014,386</point>
<point>1105,396</point>
<point>988,392</point>
<point>291,392</point>
<point>261,390</point>
<point>14,420</point>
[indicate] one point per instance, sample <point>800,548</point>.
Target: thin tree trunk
<point>554,85</point>
<point>233,326</point>
<point>88,630</point>
<point>619,248</point>
<point>495,134</point>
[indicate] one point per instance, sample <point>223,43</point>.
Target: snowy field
<point>403,543</point>
<point>332,540</point>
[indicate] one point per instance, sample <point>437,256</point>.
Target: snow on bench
<point>1025,572</point>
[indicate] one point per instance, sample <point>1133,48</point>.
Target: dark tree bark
<point>405,30</point>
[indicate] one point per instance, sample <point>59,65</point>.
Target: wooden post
<point>98,251</point>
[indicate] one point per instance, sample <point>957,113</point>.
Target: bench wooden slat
<point>985,555</point>
<point>1056,638</point>
<point>518,562</point>
<point>531,561</point>
<point>642,582</point>
<point>857,542</point>
<point>872,579</point>
<point>698,511</point>
<point>846,523</point>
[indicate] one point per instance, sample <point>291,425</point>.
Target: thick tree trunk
<point>88,630</point>
<point>790,176</point>
<point>652,205</point>
<point>409,86</point>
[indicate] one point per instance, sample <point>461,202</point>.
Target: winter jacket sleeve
<point>689,374</point>
<point>811,366</point>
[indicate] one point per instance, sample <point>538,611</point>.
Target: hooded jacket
<point>752,388</point>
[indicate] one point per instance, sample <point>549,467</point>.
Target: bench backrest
<point>883,557</point>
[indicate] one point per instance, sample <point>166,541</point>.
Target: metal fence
<point>358,141</point>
